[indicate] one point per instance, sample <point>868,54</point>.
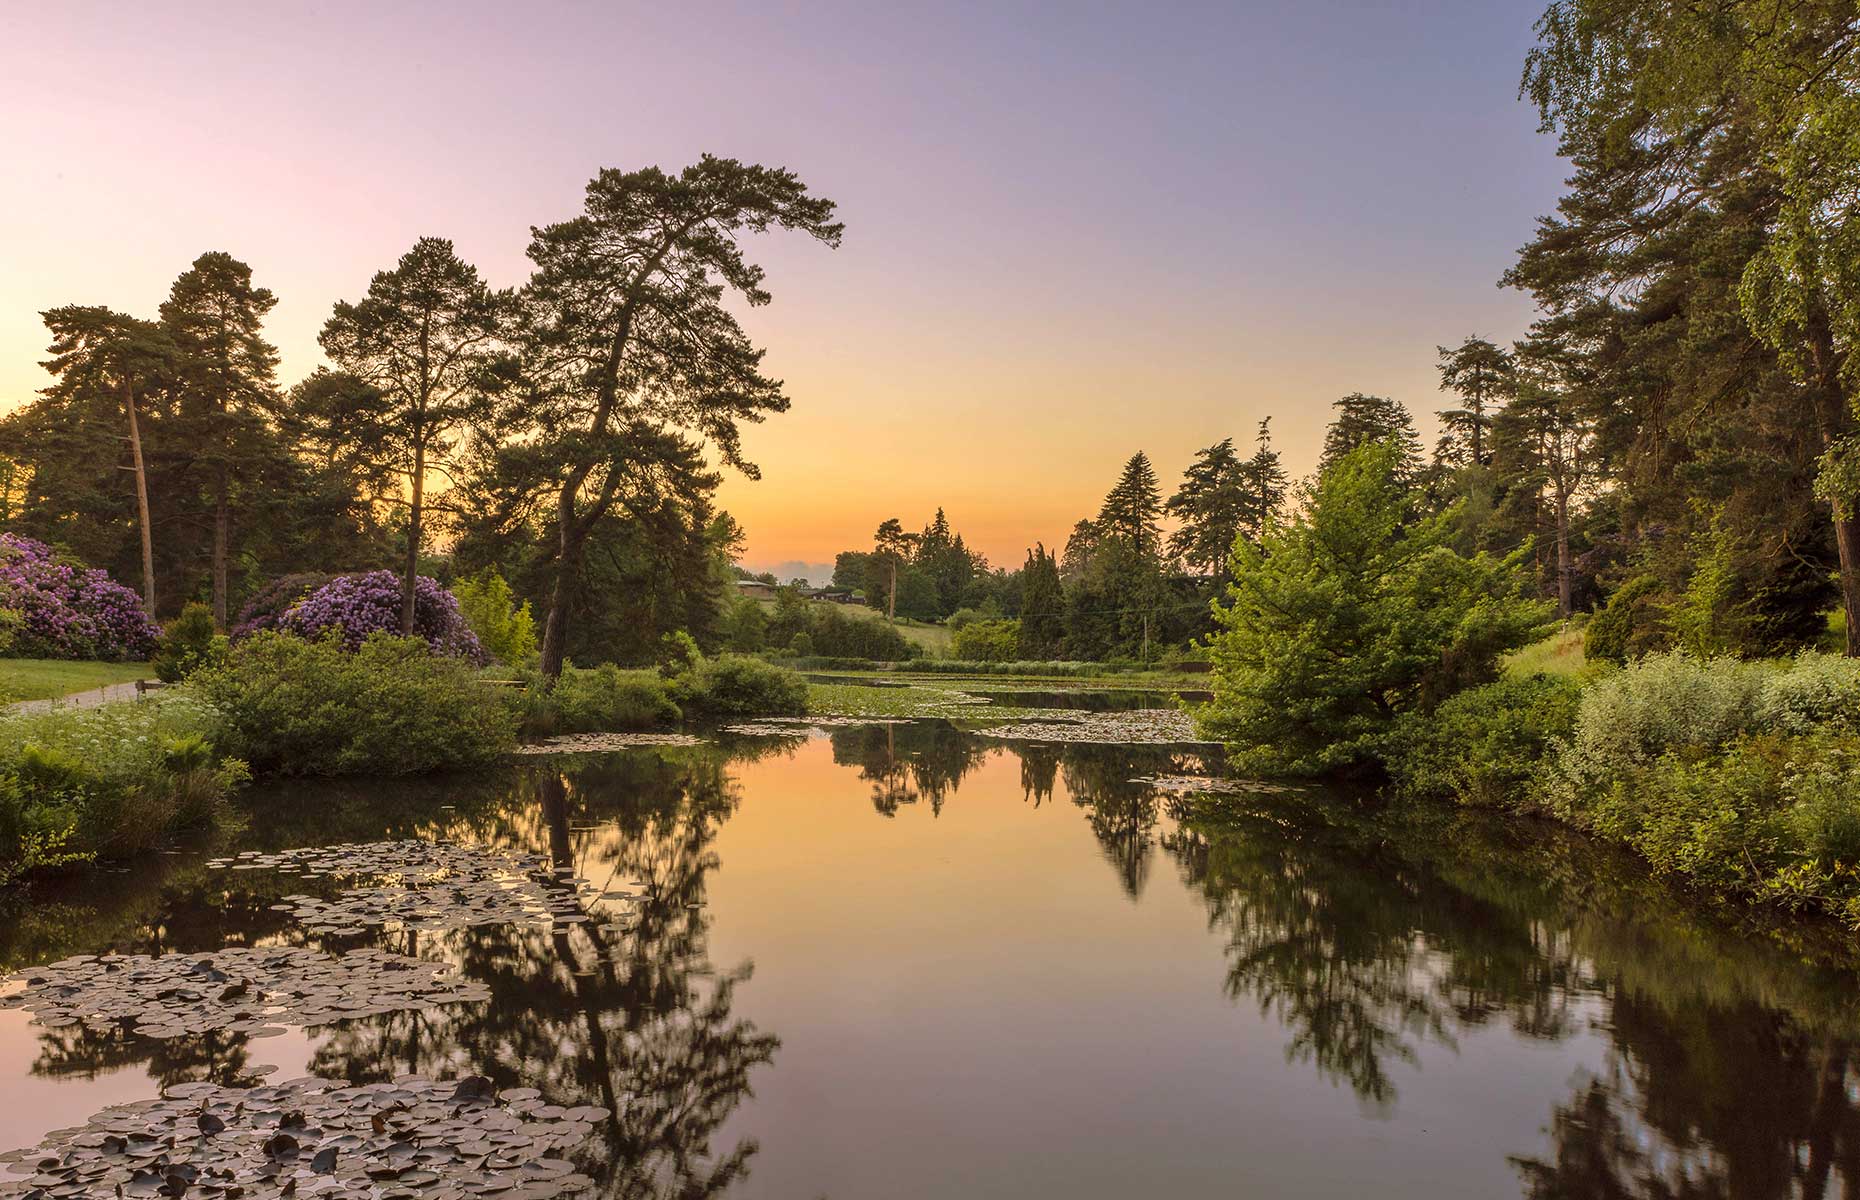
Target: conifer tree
<point>1132,509</point>
<point>227,377</point>
<point>423,337</point>
<point>1479,373</point>
<point>1211,506</point>
<point>1263,484</point>
<point>1042,606</point>
<point>1362,419</point>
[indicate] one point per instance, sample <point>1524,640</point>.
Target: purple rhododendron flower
<point>70,611</point>
<point>359,605</point>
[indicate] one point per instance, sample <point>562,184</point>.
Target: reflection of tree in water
<point>1705,1102</point>
<point>1368,934</point>
<point>78,1052</point>
<point>1123,813</point>
<point>924,760</point>
<point>630,1013</point>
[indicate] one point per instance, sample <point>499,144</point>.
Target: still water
<point>902,961</point>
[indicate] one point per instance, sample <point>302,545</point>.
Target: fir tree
<point>1042,606</point>
<point>1211,506</point>
<point>1132,510</point>
<point>1480,374</point>
<point>1362,419</point>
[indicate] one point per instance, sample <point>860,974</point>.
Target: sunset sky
<point>1073,230</point>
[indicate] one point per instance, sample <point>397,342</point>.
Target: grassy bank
<point>46,678</point>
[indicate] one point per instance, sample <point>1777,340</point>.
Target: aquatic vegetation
<point>423,885</point>
<point>1125,727</point>
<point>237,989</point>
<point>412,1138</point>
<point>586,743</point>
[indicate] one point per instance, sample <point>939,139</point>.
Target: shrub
<point>390,707</point>
<point>840,635</point>
<point>503,627</point>
<point>1661,703</point>
<point>189,643</point>
<point>1815,693</point>
<point>105,782</point>
<point>678,652</point>
<point>69,611</point>
<point>801,645</point>
<point>1631,624</point>
<point>987,641</point>
<point>12,621</point>
<point>268,606</point>
<point>603,700</point>
<point>1351,615</point>
<point>356,607</point>
<point>737,685</point>
<point>1486,746</point>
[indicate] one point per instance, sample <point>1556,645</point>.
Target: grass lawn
<point>44,678</point>
<point>1558,654</point>
<point>934,639</point>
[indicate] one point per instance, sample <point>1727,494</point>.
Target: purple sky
<point>1073,231</point>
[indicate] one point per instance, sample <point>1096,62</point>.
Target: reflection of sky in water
<point>903,962</point>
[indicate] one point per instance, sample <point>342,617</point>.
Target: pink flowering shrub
<point>69,611</point>
<point>355,606</point>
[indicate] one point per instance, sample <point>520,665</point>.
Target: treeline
<point>558,432</point>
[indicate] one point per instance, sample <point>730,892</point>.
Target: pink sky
<point>1073,231</point>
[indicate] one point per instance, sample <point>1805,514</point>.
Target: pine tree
<point>1480,374</point>
<point>1211,506</point>
<point>422,336</point>
<point>1132,510</point>
<point>1263,484</point>
<point>1042,606</point>
<point>228,387</point>
<point>1362,419</point>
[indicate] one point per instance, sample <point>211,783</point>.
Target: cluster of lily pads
<point>422,885</point>
<point>800,726</point>
<point>582,743</point>
<point>1130,727</point>
<point>239,990</point>
<point>412,1139</point>
<point>1205,784</point>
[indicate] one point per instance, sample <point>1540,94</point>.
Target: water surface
<point>906,962</point>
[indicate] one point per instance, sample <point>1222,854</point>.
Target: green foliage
<point>106,782</point>
<point>1347,618</point>
<point>801,645</point>
<point>391,707</point>
<point>189,643</point>
<point>678,652</point>
<point>1485,746</point>
<point>11,622</point>
<point>1815,693</point>
<point>1042,606</point>
<point>737,685</point>
<point>988,641</point>
<point>1661,703</point>
<point>504,626</point>
<point>1705,620</point>
<point>605,699</point>
<point>1632,624</point>
<point>745,626</point>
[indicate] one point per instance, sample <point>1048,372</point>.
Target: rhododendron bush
<point>354,606</point>
<point>69,611</point>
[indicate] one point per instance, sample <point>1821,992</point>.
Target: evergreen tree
<point>228,392</point>
<point>1263,484</point>
<point>627,344</point>
<point>1362,419</point>
<point>1211,505</point>
<point>423,337</point>
<point>1132,509</point>
<point>108,363</point>
<point>1042,606</point>
<point>1480,374</point>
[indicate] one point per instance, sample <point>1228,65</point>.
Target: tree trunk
<point>407,592</point>
<point>891,605</point>
<point>1830,407</point>
<point>567,563</point>
<point>222,527</point>
<point>1563,570</point>
<point>142,503</point>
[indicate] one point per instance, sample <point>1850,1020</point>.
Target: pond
<point>903,961</point>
